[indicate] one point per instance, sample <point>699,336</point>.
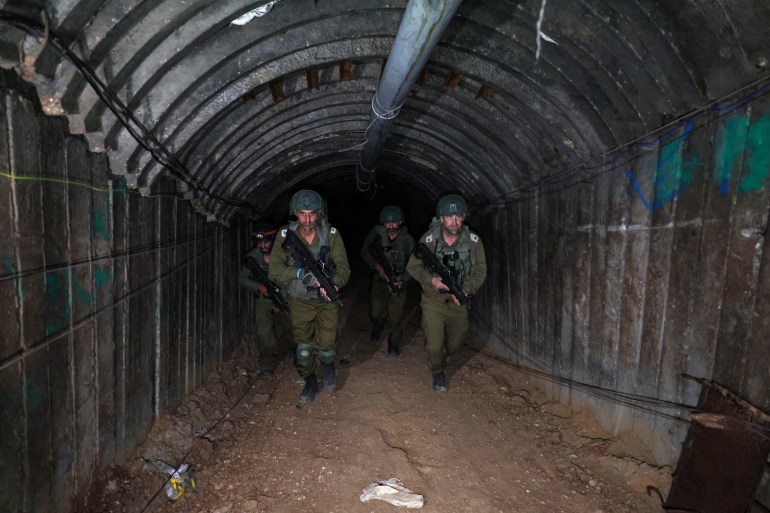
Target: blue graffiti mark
<point>630,175</point>
<point>672,176</point>
<point>736,139</point>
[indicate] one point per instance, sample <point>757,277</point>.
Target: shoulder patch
<point>429,238</point>
<point>474,238</point>
<point>332,230</point>
<point>283,232</point>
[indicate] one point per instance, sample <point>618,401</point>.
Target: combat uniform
<point>384,306</point>
<point>314,320</point>
<point>267,320</point>
<point>444,322</point>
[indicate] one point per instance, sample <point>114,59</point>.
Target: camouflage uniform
<point>384,306</point>
<point>314,321</point>
<point>444,322</point>
<point>267,319</point>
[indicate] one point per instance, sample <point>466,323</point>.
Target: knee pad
<point>327,356</point>
<point>305,354</point>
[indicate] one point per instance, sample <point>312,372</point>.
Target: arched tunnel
<point>615,157</point>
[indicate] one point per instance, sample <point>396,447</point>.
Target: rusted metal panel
<point>598,286</point>
<point>693,217</point>
<point>741,279</point>
<point>565,301</point>
<point>724,455</point>
<point>751,211</point>
<point>581,271</point>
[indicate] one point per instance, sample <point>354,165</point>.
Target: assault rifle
<point>429,260</point>
<point>272,289</point>
<point>378,252</point>
<point>305,259</point>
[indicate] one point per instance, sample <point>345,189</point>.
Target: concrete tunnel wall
<point>115,306</point>
<point>628,273</point>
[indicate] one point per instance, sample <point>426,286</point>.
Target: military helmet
<point>306,200</point>
<point>263,230</point>
<point>451,205</point>
<point>391,214</point>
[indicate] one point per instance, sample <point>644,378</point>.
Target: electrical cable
<point>587,169</point>
<point>67,181</point>
<point>125,253</point>
<point>651,405</point>
<point>44,342</point>
<point>209,430</point>
<point>136,129</point>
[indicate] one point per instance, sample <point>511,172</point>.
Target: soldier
<point>460,251</point>
<point>386,250</point>
<point>314,317</point>
<point>272,309</point>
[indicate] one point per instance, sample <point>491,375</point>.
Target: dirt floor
<point>488,445</point>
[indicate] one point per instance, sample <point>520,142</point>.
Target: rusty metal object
<point>724,455</point>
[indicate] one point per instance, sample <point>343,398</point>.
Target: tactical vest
<point>322,251</point>
<point>395,255</point>
<point>258,257</point>
<point>459,259</point>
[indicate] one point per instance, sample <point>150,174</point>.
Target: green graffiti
<point>101,225</point>
<point>101,277</point>
<point>731,147</point>
<point>671,176</point>
<point>80,292</point>
<point>758,161</point>
<point>59,318</point>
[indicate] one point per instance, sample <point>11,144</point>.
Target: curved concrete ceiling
<point>253,111</point>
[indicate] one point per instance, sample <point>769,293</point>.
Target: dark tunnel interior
<point>615,156</point>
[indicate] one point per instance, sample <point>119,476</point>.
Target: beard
<point>452,230</point>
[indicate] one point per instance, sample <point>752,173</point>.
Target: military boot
<point>393,346</point>
<point>330,376</point>
<point>439,382</point>
<point>309,391</point>
<point>377,331</point>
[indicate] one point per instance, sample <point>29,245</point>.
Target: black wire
<point>138,131</point>
<point>128,252</point>
<point>209,430</point>
<point>595,166</point>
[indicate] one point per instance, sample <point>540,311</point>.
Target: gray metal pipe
<point>421,29</point>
